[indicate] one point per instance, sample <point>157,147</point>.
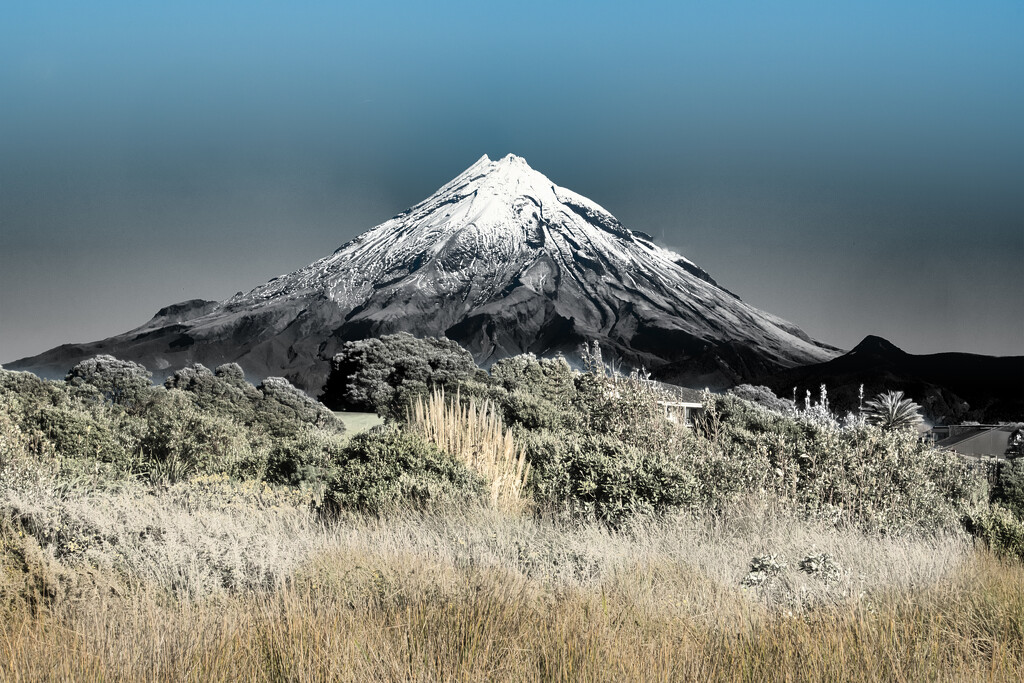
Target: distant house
<point>979,441</point>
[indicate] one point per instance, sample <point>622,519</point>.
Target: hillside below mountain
<point>950,387</point>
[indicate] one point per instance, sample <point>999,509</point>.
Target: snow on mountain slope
<point>500,259</point>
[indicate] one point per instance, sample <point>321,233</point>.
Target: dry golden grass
<point>362,617</point>
<point>474,433</point>
<point>220,581</point>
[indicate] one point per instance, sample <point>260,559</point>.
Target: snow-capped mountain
<point>501,260</point>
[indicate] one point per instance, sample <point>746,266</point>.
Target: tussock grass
<point>474,433</point>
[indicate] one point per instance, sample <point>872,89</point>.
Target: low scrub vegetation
<point>532,521</point>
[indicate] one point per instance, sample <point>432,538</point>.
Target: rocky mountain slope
<point>501,260</point>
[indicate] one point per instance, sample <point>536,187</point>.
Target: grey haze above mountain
<point>502,261</point>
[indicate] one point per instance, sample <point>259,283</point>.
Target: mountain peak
<point>514,166</point>
<point>512,159</point>
<point>486,165</point>
<point>487,179</point>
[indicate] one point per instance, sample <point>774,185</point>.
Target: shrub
<point>231,373</point>
<point>764,571</point>
<point>303,458</point>
<point>72,422</point>
<point>13,442</point>
<point>532,412</point>
<point>224,391</point>
<point>764,397</point>
<point>386,466</point>
<point>851,473</point>
<point>193,378</point>
<point>87,432</point>
<point>29,389</point>
<point>1015,444</point>
<point>624,408</point>
<point>275,405</point>
<point>1008,490</point>
<point>203,423</point>
<point>547,379</point>
<point>999,530</point>
<point>119,381</point>
<point>284,408</point>
<point>182,440</point>
<point>383,374</point>
<point>597,476</point>
<point>599,444</point>
<point>821,566</point>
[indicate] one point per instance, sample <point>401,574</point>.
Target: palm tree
<point>892,410</point>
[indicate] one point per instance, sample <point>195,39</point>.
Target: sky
<point>856,168</point>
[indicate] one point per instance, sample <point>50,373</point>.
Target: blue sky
<point>857,168</point>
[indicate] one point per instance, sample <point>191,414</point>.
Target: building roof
<point>979,441</point>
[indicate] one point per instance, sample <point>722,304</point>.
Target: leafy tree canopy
<point>381,374</point>
<point>122,382</point>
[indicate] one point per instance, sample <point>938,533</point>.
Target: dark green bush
<point>999,530</point>
<point>74,422</point>
<point>599,446</point>
<point>204,423</point>
<point>223,392</point>
<point>180,440</point>
<point>121,382</point>
<point>1015,443</point>
<point>547,379</point>
<point>284,409</point>
<point>387,466</point>
<point>741,419</point>
<point>598,476</point>
<point>624,408</point>
<point>530,412</point>
<point>76,432</point>
<point>764,397</point>
<point>275,405</point>
<point>304,457</point>
<point>31,390</point>
<point>383,374</point>
<point>851,473</point>
<point>1008,490</point>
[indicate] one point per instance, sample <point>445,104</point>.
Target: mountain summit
<point>501,260</point>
